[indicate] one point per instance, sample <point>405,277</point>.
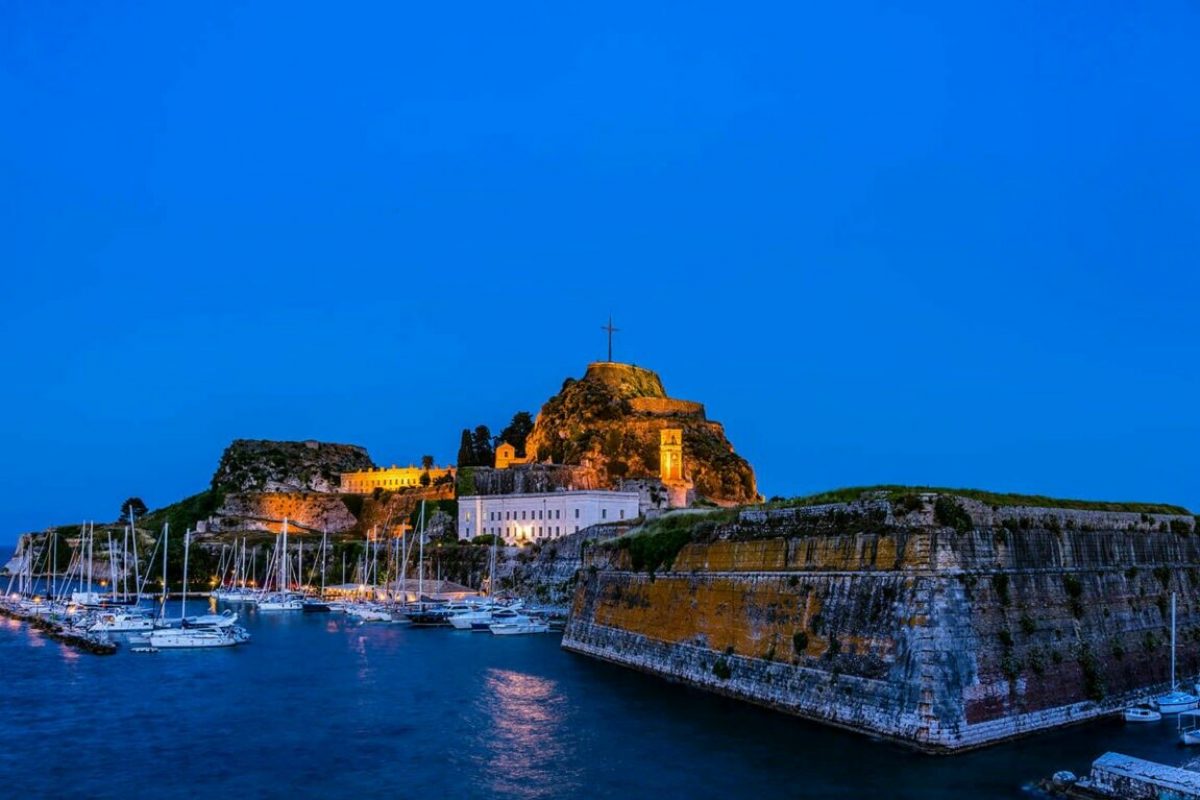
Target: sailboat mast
<point>375,559</point>
<point>91,543</point>
<point>324,537</point>
<point>283,560</point>
<point>137,572</point>
<point>421,554</point>
<point>112,569</point>
<point>183,605</point>
<point>125,565</point>
<point>492,571</point>
<point>166,534</point>
<point>1172,641</point>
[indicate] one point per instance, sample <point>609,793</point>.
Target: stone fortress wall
<point>666,407</point>
<point>944,640</point>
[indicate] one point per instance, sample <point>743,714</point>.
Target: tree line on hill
<point>477,448</point>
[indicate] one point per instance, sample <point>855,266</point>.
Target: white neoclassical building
<point>523,518</point>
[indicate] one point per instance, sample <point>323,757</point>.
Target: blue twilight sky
<point>949,243</point>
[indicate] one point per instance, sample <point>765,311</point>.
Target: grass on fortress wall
<point>656,543</point>
<point>995,499</point>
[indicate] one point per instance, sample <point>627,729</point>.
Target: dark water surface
<point>316,706</point>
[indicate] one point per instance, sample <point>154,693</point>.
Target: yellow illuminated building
<point>389,478</point>
<point>506,455</point>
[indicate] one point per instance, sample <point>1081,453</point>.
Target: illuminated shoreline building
<point>539,517</point>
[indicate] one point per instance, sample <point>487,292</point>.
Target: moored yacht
<point>226,619</point>
<point>121,622</point>
<point>279,602</point>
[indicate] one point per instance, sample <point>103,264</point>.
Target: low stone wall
<point>1121,776</point>
<point>666,407</point>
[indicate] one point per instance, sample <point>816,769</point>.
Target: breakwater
<point>941,622</point>
<point>61,632</point>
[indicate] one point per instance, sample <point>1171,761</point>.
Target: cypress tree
<point>466,450</point>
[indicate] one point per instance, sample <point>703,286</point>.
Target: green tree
<point>481,442</point>
<point>466,450</point>
<point>136,505</point>
<point>427,463</point>
<point>517,432</point>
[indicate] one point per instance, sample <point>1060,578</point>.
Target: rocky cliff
<point>257,465</point>
<point>940,620</point>
<point>550,576</point>
<point>610,420</point>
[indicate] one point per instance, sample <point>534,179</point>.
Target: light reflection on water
<point>524,734</point>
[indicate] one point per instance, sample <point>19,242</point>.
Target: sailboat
<point>1176,700</point>
<point>318,603</point>
<point>282,600</point>
<point>90,597</point>
<point>185,637</point>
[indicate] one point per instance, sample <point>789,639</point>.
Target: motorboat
<point>121,622</point>
<point>181,638</point>
<point>1188,725</point>
<point>1141,714</point>
<point>500,616</point>
<point>465,620</point>
<point>226,619</point>
<point>367,612</point>
<point>528,625</point>
<point>312,605</point>
<point>280,603</point>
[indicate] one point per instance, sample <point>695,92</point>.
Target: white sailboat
<point>190,638</point>
<point>1176,700</point>
<point>281,600</point>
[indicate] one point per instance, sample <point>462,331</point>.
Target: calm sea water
<point>316,706</point>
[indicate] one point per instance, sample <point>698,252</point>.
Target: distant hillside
<point>259,465</point>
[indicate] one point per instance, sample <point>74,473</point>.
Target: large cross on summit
<point>611,330</point>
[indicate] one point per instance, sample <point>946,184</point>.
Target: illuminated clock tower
<point>670,454</point>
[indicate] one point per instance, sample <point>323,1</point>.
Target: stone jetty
<point>60,631</point>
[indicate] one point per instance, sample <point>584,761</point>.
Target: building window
<point>558,513</point>
<point>622,513</point>
<point>577,529</point>
<point>522,514</point>
<point>577,517</point>
<point>604,513</point>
